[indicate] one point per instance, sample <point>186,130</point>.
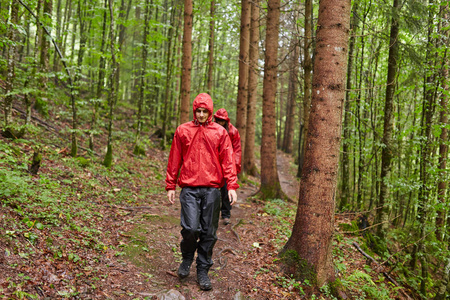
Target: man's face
<point>221,122</point>
<point>201,114</point>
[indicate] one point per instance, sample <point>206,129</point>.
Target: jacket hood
<point>222,114</point>
<point>203,100</point>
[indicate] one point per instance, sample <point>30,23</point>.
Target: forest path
<point>243,249</point>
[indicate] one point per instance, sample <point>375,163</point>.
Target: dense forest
<point>356,92</point>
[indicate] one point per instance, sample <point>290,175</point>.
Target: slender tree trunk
<point>311,240</point>
<point>186,63</point>
<point>114,83</point>
<point>10,74</point>
<point>168,80</point>
<point>270,183</point>
<point>307,67</point>
<point>386,153</point>
<point>242,97</point>
<point>291,101</point>
<point>249,157</point>
<point>209,80</point>
<point>345,195</point>
<point>443,147</point>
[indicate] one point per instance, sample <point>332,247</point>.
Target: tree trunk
<point>270,183</point>
<point>186,63</point>
<point>10,74</point>
<point>443,147</point>
<point>168,80</point>
<point>308,253</point>
<point>242,97</point>
<point>345,194</point>
<point>386,153</point>
<point>107,162</point>
<point>307,67</point>
<point>291,101</point>
<point>100,84</point>
<point>209,80</point>
<point>142,86</point>
<point>249,157</point>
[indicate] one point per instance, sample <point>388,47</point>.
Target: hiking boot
<point>226,221</point>
<point>184,269</point>
<point>203,280</point>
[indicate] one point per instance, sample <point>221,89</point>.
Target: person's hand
<point>171,196</point>
<point>232,196</point>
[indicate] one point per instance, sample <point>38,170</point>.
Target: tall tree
<point>387,151</point>
<point>307,67</point>
<point>443,120</point>
<point>291,103</point>
<point>310,244</point>
<point>185,92</point>
<point>270,183</point>
<point>249,156</point>
<point>11,65</point>
<point>209,78</point>
<point>345,195</point>
<point>242,98</point>
<point>113,81</point>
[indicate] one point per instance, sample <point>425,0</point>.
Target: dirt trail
<point>240,253</point>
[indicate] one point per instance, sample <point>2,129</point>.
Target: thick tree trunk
<point>311,242</point>
<point>186,63</point>
<point>386,153</point>
<point>242,98</point>
<point>270,183</point>
<point>249,156</point>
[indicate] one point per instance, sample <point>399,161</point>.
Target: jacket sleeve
<point>228,164</point>
<point>174,163</point>
<point>236,141</point>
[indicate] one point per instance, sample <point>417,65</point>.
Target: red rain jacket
<point>201,154</point>
<point>234,136</point>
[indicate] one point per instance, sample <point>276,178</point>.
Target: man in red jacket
<point>221,117</point>
<point>200,158</point>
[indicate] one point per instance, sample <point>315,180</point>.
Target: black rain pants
<point>226,205</point>
<point>200,209</point>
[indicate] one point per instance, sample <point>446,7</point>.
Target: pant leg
<point>226,206</point>
<point>209,222</point>
<point>190,221</point>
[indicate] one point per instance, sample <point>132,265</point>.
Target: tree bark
<point>242,98</point>
<point>270,183</point>
<point>443,147</point>
<point>107,162</point>
<point>307,67</point>
<point>209,80</point>
<point>186,63</point>
<point>249,160</point>
<point>10,74</point>
<point>386,153</point>
<point>345,194</point>
<point>291,100</point>
<point>310,245</point>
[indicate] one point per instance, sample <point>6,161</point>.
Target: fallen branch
<point>132,208</point>
<point>235,233</point>
<point>368,227</point>
<point>356,245</point>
